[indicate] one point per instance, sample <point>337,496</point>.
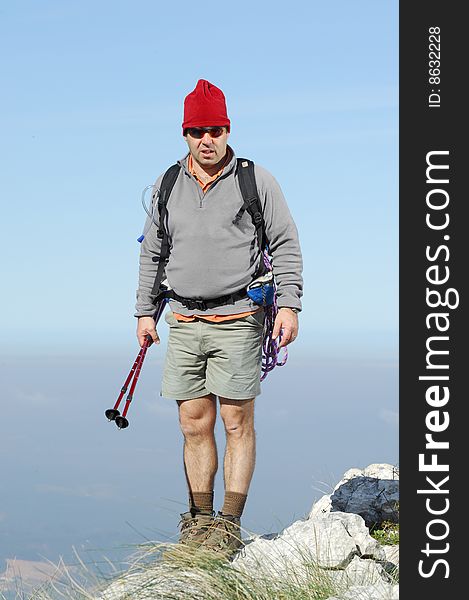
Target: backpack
<point>251,204</point>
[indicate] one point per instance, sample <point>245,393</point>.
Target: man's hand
<point>146,326</point>
<point>287,320</point>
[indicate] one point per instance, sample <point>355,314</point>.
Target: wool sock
<point>234,504</point>
<point>201,502</point>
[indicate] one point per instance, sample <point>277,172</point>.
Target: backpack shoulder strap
<point>252,203</point>
<point>166,187</point>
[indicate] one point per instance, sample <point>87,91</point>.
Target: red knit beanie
<point>205,107</point>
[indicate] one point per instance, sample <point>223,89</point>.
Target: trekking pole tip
<point>111,414</point>
<point>121,422</point>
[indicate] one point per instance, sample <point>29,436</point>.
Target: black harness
<point>251,204</point>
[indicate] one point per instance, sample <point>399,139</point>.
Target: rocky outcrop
<point>372,493</point>
<point>336,538</point>
<point>333,545</point>
<point>330,542</point>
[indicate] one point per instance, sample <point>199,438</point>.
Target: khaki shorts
<point>213,358</point>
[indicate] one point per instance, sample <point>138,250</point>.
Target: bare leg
<point>197,419</point>
<point>240,452</point>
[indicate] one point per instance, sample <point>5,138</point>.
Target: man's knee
<point>238,418</point>
<point>197,417</point>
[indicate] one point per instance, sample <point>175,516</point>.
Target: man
<point>216,352</point>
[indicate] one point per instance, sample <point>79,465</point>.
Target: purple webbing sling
<point>270,350</point>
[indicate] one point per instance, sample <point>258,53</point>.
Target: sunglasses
<point>199,132</point>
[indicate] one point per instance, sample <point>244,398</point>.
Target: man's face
<point>207,150</point>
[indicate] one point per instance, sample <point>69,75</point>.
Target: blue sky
<point>91,113</point>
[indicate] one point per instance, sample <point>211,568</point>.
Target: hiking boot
<point>224,536</point>
<point>194,528</point>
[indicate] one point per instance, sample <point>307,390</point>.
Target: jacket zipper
<point>200,191</point>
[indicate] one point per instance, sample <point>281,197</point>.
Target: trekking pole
<point>120,420</point>
<point>113,414</point>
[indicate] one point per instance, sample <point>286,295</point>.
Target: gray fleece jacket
<point>212,257</point>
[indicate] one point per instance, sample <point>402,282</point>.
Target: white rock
<point>321,507</point>
<point>156,584</point>
<point>378,591</point>
<point>391,554</point>
<point>360,572</point>
<point>357,529</point>
<point>329,542</point>
<point>381,471</point>
<point>350,474</point>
